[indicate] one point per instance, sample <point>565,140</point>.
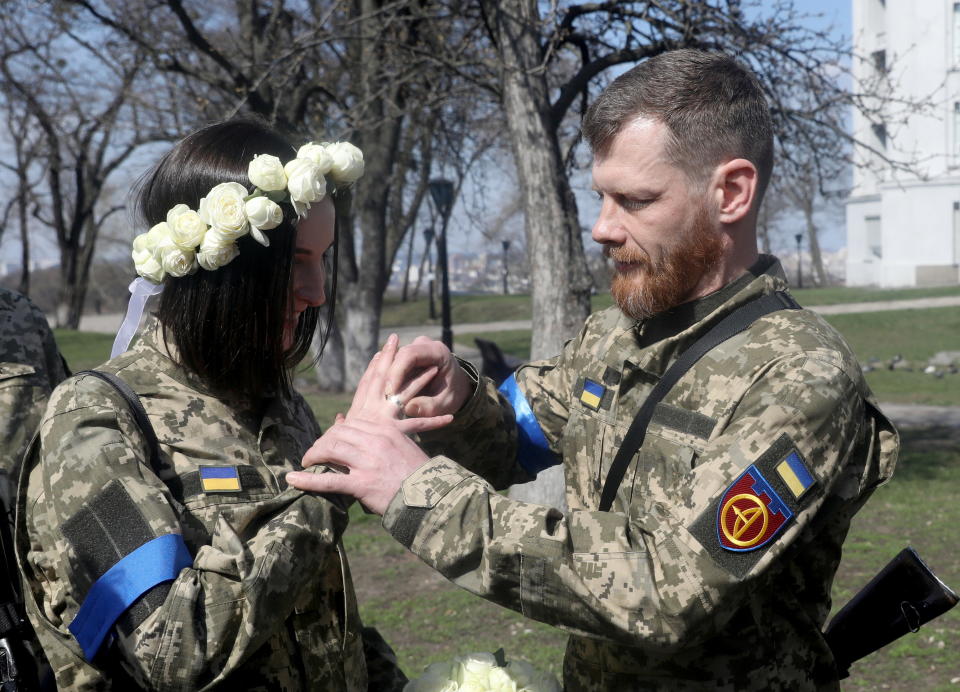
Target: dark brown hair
<point>713,107</point>
<point>227,324</point>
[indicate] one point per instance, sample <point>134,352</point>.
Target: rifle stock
<point>904,595</point>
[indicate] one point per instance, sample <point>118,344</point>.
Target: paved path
<point>110,323</point>
<point>922,416</point>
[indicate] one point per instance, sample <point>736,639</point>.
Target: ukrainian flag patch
<point>220,479</point>
<point>592,394</point>
<point>793,472</point>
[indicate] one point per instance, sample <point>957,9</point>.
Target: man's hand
<point>445,390</point>
<point>376,457</point>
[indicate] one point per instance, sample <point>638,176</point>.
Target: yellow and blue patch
<point>592,394</point>
<point>795,475</point>
<point>220,479</point>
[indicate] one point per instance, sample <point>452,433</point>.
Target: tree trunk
<point>816,258</point>
<point>329,370</point>
<point>24,287</point>
<point>559,276</point>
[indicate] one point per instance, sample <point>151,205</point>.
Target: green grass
<point>915,334</point>
<point>918,508</point>
<point>490,308</point>
<point>83,350</point>
<point>427,619</point>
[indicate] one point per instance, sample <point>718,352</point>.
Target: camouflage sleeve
<point>232,595</point>
<point>508,435</point>
<point>650,574</point>
<point>30,367</point>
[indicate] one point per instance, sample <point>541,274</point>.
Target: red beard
<point>652,286</point>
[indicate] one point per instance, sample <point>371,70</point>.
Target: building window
<point>879,58</point>
<point>956,34</point>
<point>956,133</point>
<point>874,239</point>
<point>956,232</point>
<point>880,132</point>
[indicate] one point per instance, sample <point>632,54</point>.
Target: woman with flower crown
<point>190,564</point>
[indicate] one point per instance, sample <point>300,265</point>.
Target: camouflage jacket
<point>259,595</point>
<point>713,568</point>
<point>30,367</point>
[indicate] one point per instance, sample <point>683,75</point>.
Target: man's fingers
<point>409,426</point>
<point>413,387</point>
<point>340,483</point>
<point>413,359</point>
<point>339,445</point>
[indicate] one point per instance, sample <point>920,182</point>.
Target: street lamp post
<point>506,249</point>
<point>799,239</point>
<point>442,193</point>
<point>428,238</point>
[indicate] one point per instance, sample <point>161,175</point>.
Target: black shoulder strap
<point>734,323</point>
<point>136,408</point>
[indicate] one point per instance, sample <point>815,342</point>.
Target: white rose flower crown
<point>207,237</point>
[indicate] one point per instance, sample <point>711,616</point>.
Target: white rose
<point>499,680</point>
<point>216,250</point>
<point>158,235</point>
<point>266,172</point>
<point>187,229</point>
<point>178,262</point>
<point>263,214</point>
<point>175,212</point>
<point>347,162</point>
<point>223,209</point>
<point>475,668</point>
<point>305,183</point>
<point>150,269</point>
<point>432,682</point>
<point>318,154</point>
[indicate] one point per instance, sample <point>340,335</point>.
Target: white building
<point>904,230</point>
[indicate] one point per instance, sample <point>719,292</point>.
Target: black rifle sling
<point>136,408</point>
<point>731,325</point>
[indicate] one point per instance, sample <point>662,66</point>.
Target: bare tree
<point>82,101</point>
<point>25,144</point>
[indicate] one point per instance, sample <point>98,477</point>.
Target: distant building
<point>905,230</point>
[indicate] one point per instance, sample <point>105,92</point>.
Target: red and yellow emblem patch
<point>750,513</point>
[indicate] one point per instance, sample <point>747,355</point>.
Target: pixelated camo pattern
<point>649,605</point>
<point>268,603</point>
<point>30,367</point>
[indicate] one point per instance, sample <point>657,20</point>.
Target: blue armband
<point>156,561</point>
<point>533,452</point>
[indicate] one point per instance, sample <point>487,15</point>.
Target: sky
<point>834,14</point>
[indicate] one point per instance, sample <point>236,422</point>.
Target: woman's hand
<point>375,401</point>
<point>445,390</point>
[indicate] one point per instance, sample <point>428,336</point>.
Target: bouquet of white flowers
<point>483,673</point>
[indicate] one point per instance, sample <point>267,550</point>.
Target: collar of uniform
<point>659,339</point>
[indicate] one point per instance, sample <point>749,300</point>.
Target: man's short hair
<point>713,108</point>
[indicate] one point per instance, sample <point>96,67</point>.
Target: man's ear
<point>734,186</point>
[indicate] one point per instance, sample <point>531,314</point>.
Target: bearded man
<point>699,552</point>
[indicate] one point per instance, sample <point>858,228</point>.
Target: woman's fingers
<point>410,426</point>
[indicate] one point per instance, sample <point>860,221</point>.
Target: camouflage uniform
<point>30,367</point>
<point>655,596</point>
<point>265,599</point>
